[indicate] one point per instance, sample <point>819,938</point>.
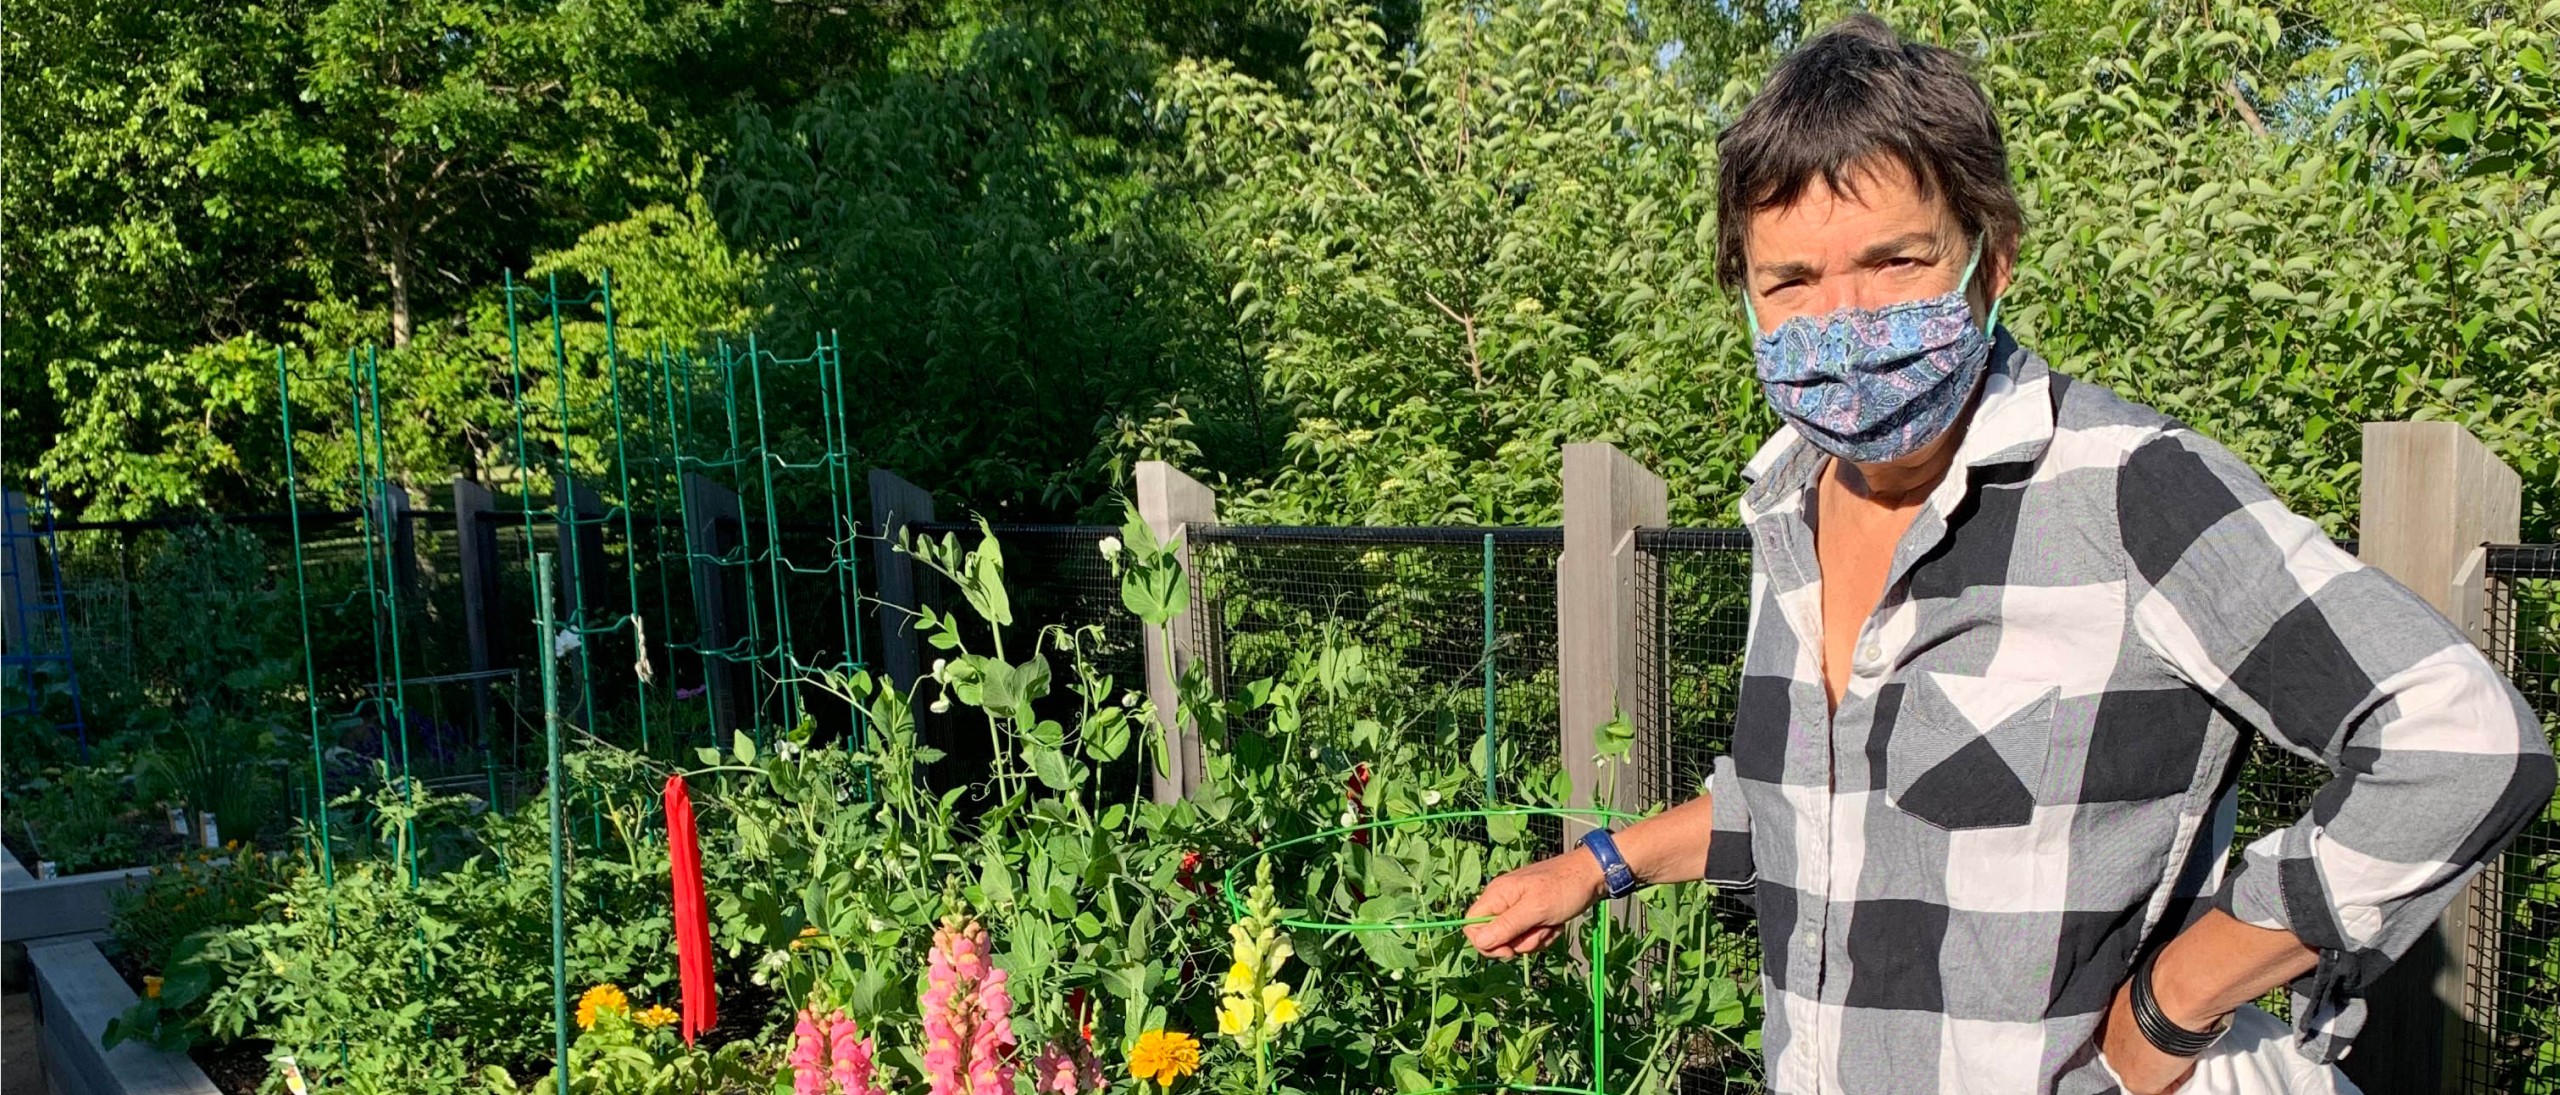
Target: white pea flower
<point>1129,698</point>
<point>1110,546</point>
<point>941,704</point>
<point>1395,975</point>
<point>564,642</point>
<point>1312,752</point>
<point>938,664</point>
<point>879,925</point>
<point>1431,798</point>
<point>1350,818</point>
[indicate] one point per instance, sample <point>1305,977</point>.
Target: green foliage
<point>2374,240</point>
<point>622,1056</point>
<point>1371,266</point>
<point>1450,259</point>
<point>437,976</point>
<point>829,867</point>
<point>204,890</point>
<point>79,816</point>
<point>1454,257</point>
<point>329,171</point>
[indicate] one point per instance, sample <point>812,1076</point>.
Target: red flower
<point>1077,1014</point>
<point>1188,874</point>
<point>1358,784</point>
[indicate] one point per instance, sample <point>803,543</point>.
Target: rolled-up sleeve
<point>2435,760</point>
<point>1729,859</point>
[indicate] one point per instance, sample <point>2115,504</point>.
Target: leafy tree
<point>1449,260</point>
<point>189,185</point>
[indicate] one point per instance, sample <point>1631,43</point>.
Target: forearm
<point>1670,846</point>
<point>2219,963</point>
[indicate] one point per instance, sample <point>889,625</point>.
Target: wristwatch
<point>2157,1028</point>
<point>1613,867</point>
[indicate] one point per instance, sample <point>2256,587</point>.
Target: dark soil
<point>235,1067</point>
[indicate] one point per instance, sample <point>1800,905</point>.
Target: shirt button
<point>1871,653</point>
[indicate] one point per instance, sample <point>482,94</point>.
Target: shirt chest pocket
<point>1969,752</point>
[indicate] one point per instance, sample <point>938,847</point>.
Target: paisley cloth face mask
<point>1872,385</point>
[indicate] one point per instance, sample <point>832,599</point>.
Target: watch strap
<point>1613,867</point>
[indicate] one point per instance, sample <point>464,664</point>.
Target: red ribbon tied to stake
<point>693,914</point>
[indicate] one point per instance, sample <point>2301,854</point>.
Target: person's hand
<point>2143,1068</point>
<point>1531,906</point>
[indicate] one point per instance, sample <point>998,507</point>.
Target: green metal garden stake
<point>391,603</point>
<point>1489,749</point>
<point>559,908</point>
<point>622,465</point>
<point>302,594</point>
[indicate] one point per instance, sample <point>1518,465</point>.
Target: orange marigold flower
<point>598,1000</point>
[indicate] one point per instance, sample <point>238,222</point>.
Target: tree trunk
<point>397,270</point>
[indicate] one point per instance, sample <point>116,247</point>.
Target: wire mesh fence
<point>1458,624</point>
<point>1693,597</point>
<point>1056,576</point>
<point>2511,959</point>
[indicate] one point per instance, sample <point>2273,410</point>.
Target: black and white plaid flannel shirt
<point>2031,777</point>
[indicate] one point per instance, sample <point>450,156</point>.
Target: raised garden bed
<point>77,992</point>
<point>55,907</point>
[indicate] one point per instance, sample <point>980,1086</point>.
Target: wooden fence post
<point>475,538</point>
<point>2433,494</point>
<point>714,522</point>
<point>1171,502</point>
<point>1607,496</point>
<point>25,561</point>
<point>895,504</point>
<point>400,539</point>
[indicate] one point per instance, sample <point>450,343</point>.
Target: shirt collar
<point>2011,422</point>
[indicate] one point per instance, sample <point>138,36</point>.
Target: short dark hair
<point>1851,93</point>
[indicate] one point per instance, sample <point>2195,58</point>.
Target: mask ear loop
<point>1992,321</point>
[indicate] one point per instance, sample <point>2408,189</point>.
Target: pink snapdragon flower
<point>850,1058</point>
<point>1068,1069</point>
<point>829,1056</point>
<point>808,1056</point>
<point>968,1031</point>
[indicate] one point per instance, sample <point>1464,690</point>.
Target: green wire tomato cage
<point>1599,937</point>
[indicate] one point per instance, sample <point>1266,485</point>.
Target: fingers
<point>1529,942</point>
<point>1519,925</point>
<point>1498,897</point>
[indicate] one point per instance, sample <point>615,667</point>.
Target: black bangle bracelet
<point>2155,1025</point>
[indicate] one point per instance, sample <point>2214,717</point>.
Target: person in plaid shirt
<point>2011,636</point>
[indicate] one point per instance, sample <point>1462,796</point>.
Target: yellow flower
<point>1164,1056</point>
<point>1279,1009</point>
<point>1240,978</point>
<point>806,934</point>
<point>598,1000</point>
<point>1235,1017</point>
<point>657,1015</point>
<point>151,987</point>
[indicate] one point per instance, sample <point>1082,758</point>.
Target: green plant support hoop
<point>1599,930</point>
